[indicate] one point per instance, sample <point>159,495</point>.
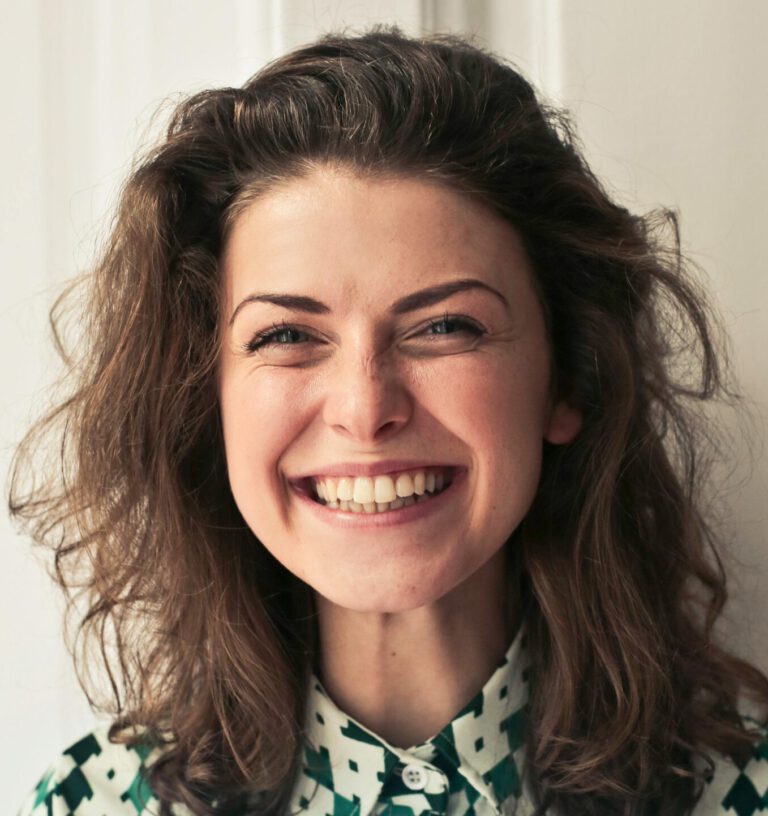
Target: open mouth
<point>378,494</point>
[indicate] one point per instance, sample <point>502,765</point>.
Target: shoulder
<point>740,789</point>
<point>94,776</point>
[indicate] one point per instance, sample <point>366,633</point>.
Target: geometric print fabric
<point>739,790</point>
<point>473,767</point>
<point>94,777</point>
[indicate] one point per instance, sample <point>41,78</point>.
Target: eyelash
<point>266,338</point>
<point>263,338</point>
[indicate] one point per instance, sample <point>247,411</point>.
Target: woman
<point>379,470</point>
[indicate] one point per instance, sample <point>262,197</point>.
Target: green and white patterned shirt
<point>473,767</point>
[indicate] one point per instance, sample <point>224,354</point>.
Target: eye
<point>454,325</point>
<point>277,336</point>
<point>450,334</point>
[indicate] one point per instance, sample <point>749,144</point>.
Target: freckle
<point>394,654</point>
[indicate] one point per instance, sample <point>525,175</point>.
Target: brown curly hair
<point>207,639</point>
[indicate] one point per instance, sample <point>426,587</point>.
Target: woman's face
<point>386,336</point>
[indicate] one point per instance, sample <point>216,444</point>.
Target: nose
<point>367,398</point>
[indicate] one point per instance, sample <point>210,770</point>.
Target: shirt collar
<point>347,768</point>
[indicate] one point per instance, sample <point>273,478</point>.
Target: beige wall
<point>669,101</point>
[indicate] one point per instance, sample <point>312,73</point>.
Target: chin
<point>379,596</point>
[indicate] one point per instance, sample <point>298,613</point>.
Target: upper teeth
<point>379,489</point>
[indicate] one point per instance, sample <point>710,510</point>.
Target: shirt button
<point>415,777</point>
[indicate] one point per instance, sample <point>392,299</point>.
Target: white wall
<point>669,102</point>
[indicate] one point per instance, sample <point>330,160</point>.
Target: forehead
<point>336,227</point>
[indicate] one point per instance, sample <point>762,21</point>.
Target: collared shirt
<point>472,767</point>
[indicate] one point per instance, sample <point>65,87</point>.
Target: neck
<point>405,675</point>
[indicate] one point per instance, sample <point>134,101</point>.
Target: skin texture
<point>360,384</point>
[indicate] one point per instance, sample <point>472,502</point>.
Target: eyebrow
<point>410,303</point>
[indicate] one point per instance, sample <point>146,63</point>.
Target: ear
<point>564,424</point>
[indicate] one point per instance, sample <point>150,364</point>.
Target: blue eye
<point>453,325</point>
<point>277,336</point>
<point>284,337</point>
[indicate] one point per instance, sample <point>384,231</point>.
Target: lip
<point>372,468</point>
<point>403,515</point>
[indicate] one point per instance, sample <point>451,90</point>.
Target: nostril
<point>387,428</point>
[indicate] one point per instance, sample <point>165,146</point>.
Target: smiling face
<point>382,330</point>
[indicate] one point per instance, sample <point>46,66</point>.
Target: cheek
<point>496,401</point>
<point>499,411</point>
<point>261,415</point>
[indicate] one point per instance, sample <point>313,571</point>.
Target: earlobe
<point>564,424</point>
